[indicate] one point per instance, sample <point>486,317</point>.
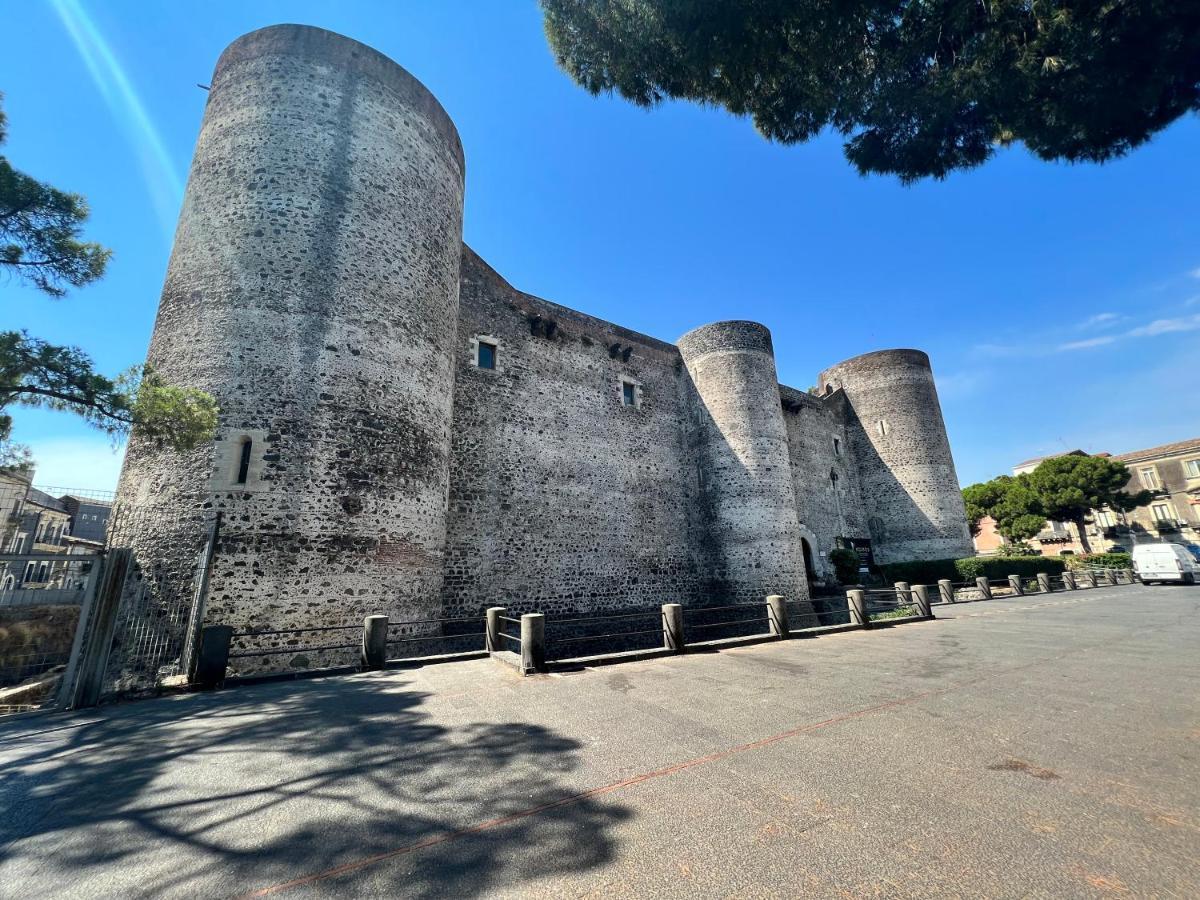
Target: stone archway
<point>813,563</point>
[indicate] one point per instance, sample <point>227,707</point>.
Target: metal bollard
<point>1015,585</point>
<point>857,603</point>
<point>672,614</point>
<point>777,616</point>
<point>921,600</point>
<point>984,588</point>
<point>1069,581</point>
<point>374,642</point>
<point>212,656</point>
<point>533,643</point>
<point>1044,583</point>
<point>946,590</point>
<point>492,635</point>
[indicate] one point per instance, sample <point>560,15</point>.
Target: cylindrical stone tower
<point>743,448</point>
<point>914,505</point>
<point>313,290</point>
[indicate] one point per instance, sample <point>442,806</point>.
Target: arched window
<point>244,461</point>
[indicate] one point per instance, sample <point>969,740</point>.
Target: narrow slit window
<point>628,393</point>
<point>837,447</point>
<point>244,461</point>
<point>487,355</point>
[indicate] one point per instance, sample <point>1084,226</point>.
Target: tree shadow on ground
<point>236,791</point>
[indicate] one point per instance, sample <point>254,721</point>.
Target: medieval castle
<point>403,432</point>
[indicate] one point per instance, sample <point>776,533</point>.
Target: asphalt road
<point>1029,747</point>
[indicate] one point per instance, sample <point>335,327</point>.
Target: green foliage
<point>39,242</point>
<point>1011,502</point>
<point>1067,487</point>
<point>35,373</point>
<point>845,565</point>
<point>932,571</point>
<point>900,612</point>
<point>1102,560</point>
<point>39,233</point>
<point>1020,549</point>
<point>918,89</point>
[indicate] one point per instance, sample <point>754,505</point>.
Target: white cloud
<point>1101,320</point>
<point>1166,326</point>
<point>1195,273</point>
<point>1084,345</point>
<point>959,384</point>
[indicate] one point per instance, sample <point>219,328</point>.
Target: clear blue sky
<point>1060,305</point>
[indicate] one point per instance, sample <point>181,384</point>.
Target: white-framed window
<point>1105,519</point>
<point>1149,478</point>
<point>631,393</point>
<point>1192,468</point>
<point>1162,512</point>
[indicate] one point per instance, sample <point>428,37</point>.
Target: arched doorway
<point>808,562</point>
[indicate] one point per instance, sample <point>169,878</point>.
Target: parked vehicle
<point>1194,549</point>
<point>1165,562</point>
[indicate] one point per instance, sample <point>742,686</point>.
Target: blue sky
<point>1060,304</point>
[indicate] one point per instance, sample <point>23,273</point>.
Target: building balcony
<point>1166,526</point>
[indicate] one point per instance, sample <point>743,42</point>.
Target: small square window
<point>628,393</point>
<point>486,358</point>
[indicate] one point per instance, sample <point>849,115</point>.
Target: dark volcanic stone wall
<point>742,449</point>
<point>818,449</point>
<point>909,486</point>
<point>563,499</point>
<point>313,289</point>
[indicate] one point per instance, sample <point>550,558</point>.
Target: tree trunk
<point>1083,538</point>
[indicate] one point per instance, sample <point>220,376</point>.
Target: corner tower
<point>914,505</point>
<point>745,469</point>
<point>313,290</point>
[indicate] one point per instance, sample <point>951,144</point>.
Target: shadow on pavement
<point>243,789</point>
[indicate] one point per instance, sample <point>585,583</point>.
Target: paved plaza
<point>1035,746</point>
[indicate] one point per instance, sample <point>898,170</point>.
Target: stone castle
<point>403,432</point>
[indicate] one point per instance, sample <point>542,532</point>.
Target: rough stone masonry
<point>402,432</point>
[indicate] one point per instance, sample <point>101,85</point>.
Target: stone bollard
<point>533,643</point>
<point>1089,578</point>
<point>374,642</point>
<point>921,600</point>
<point>672,614</point>
<point>1128,573</point>
<point>857,603</point>
<point>1044,583</point>
<point>946,590</point>
<point>903,593</point>
<point>984,588</point>
<point>1069,581</point>
<point>492,636</point>
<point>1015,585</point>
<point>212,655</point>
<point>777,616</point>
<point>1106,578</point>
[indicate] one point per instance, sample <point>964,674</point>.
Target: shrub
<point>845,565</point>
<point>990,567</point>
<point>1102,560</point>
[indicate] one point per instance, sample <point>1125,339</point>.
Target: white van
<point>1165,562</point>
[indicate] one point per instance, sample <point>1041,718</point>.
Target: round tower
<point>743,447</point>
<point>313,290</point>
<point>914,505</point>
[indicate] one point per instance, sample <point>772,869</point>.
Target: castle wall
<point>313,290</point>
<point>561,497</point>
<point>742,451</point>
<point>365,462</point>
<point>909,487</point>
<point>817,449</point>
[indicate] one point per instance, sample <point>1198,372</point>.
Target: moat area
<point>1035,746</point>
